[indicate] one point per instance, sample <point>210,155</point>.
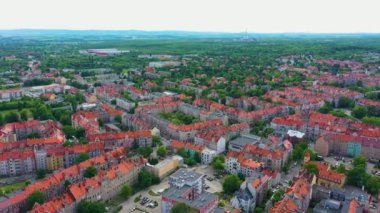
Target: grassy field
<point>6,189</point>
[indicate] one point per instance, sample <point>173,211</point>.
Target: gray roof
<point>240,142</point>
<point>175,194</point>
<point>352,193</point>
<point>186,175</point>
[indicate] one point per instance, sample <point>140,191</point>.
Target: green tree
<point>12,117</point>
<point>83,140</point>
<point>69,131</point>
<point>359,161</point>
<point>153,161</point>
<point>355,176</point>
<point>90,172</point>
<point>2,120</point>
<point>126,191</point>
<point>325,109</point>
<point>41,112</point>
<point>277,196</point>
<point>24,115</point>
<point>156,140</point>
<point>82,157</point>
<point>231,183</point>
<point>161,151</point>
<point>118,118</point>
<point>144,179</point>
<point>91,207</point>
<point>345,102</point>
<point>35,197</point>
<point>181,208</point>
<point>190,161</point>
<point>182,152</point>
<point>312,168</point>
<point>145,151</point>
<point>197,157</point>
<point>359,112</point>
<point>372,184</point>
<point>341,169</point>
<point>218,162</point>
<point>41,173</point>
<point>372,120</point>
<point>33,135</point>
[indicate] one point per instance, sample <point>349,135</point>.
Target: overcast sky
<point>194,15</point>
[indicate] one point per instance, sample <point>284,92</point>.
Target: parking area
<point>147,200</point>
<point>213,184</point>
<point>336,160</point>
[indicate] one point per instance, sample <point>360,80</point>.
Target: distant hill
<point>140,34</point>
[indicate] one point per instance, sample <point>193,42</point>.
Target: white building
<point>207,155</point>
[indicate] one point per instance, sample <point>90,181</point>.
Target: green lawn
<point>178,118</point>
<point>6,189</point>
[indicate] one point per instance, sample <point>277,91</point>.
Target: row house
<point>297,98</point>
<point>30,143</point>
<point>242,116</point>
<point>349,145</point>
<point>149,85</point>
<point>206,154</point>
<point>135,122</point>
<point>125,104</point>
<point>108,113</point>
<point>86,120</point>
<point>54,185</point>
<point>247,103</point>
<point>236,163</point>
<point>252,192</point>
<point>18,130</point>
<point>187,132</point>
<point>112,140</point>
<point>10,94</point>
<point>105,185</point>
<point>109,92</point>
<point>272,156</point>
<point>138,94</point>
<point>296,199</point>
<point>369,103</point>
<point>314,124</point>
<point>17,163</point>
<point>326,177</point>
<point>216,138</point>
<point>335,92</point>
<point>14,163</point>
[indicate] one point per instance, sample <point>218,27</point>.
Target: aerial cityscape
<point>275,117</point>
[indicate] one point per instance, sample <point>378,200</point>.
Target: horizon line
<point>192,31</point>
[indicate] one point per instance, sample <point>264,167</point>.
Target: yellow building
<point>328,178</point>
<point>55,162</point>
<point>166,166</point>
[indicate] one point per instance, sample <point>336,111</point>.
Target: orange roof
<point>179,144</point>
<point>285,205</point>
<point>354,205</point>
<point>80,189</point>
<point>300,189</point>
<point>258,181</point>
<point>249,163</point>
